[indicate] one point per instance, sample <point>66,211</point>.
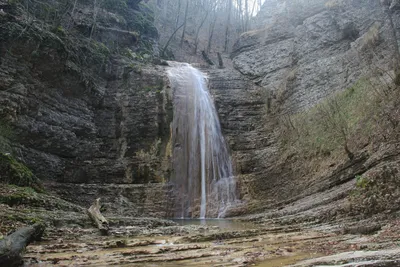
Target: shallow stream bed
<point>188,243</point>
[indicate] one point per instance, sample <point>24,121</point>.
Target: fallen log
<point>97,218</point>
<point>12,246</point>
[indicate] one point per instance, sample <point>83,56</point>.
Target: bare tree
<point>393,39</point>
<point>334,120</point>
<point>211,32</point>
<point>208,23</point>
<point>95,11</point>
<point>207,9</point>
<point>178,12</point>
<point>227,26</point>
<point>72,15</point>
<point>169,40</point>
<point>185,22</point>
<point>246,15</point>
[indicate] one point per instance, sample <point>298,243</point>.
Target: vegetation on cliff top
<point>89,32</point>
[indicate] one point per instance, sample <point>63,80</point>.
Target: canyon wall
<point>91,112</point>
<point>303,51</point>
<point>86,105</point>
<point>300,53</point>
<point>106,121</point>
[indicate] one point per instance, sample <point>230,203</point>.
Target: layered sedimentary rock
<point>82,112</point>
<point>303,51</point>
<point>67,134</point>
<point>109,123</point>
<point>136,200</point>
<point>241,106</point>
<point>300,53</point>
<point>84,102</point>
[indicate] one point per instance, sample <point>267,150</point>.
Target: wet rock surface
<point>142,200</point>
<point>108,136</point>
<point>241,107</point>
<point>188,245</point>
<point>279,238</point>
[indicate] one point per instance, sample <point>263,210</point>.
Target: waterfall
<point>202,168</point>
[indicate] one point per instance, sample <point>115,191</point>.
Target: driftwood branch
<point>12,246</point>
<point>97,218</point>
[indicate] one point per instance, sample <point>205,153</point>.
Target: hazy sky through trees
<point>203,26</point>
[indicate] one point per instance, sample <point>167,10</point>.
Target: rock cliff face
<point>103,123</point>
<point>91,116</point>
<point>303,51</point>
<point>67,134</point>
<point>300,53</point>
<point>241,106</point>
<point>85,104</point>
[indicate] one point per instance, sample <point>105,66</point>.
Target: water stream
<point>222,224</point>
<point>203,175</point>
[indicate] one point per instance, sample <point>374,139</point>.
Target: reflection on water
<point>223,224</point>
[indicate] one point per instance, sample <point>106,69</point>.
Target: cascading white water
<point>202,169</point>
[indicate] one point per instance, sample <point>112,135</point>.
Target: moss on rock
<point>12,196</point>
<point>14,172</point>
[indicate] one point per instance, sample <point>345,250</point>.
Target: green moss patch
<point>20,206</point>
<point>12,196</point>
<point>16,173</point>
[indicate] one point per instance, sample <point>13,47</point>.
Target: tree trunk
<point>184,22</point>
<point>246,24</point>
<point>241,15</point>
<point>196,43</point>
<point>220,61</point>
<point>227,26</point>
<point>178,14</point>
<point>350,155</point>
<point>393,41</point>
<point>97,218</point>
<point>169,40</point>
<point>251,14</point>
<point>12,246</point>
<point>94,19</point>
<point>206,58</point>
<point>212,27</point>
